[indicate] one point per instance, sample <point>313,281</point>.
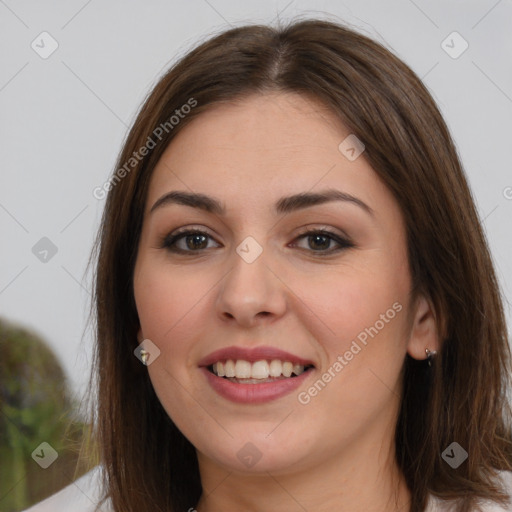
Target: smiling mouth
<point>241,371</point>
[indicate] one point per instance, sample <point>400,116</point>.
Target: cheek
<point>171,306</point>
<point>358,323</point>
<point>172,310</point>
<point>165,296</point>
<point>347,302</point>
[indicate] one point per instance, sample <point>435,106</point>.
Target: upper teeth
<point>241,369</point>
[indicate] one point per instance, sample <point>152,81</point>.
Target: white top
<point>84,494</point>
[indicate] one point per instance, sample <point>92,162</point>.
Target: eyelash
<point>169,241</point>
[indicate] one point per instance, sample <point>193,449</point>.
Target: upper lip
<point>252,355</point>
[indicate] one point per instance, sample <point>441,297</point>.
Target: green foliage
<point>34,407</point>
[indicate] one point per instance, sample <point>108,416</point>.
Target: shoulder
<point>83,495</point>
<point>438,505</point>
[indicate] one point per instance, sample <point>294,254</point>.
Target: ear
<point>423,334</point>
<point>140,337</point>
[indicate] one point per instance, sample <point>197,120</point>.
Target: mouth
<point>242,371</point>
<point>254,375</point>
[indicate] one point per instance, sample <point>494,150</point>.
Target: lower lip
<point>254,393</point>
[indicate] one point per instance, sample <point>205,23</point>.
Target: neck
<point>358,480</point>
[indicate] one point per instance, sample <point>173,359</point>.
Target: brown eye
<point>196,241</point>
<point>323,242</point>
<point>188,242</point>
<point>319,242</point>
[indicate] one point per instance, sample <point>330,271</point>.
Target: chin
<point>254,453</point>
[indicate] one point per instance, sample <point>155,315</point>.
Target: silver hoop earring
<point>430,355</point>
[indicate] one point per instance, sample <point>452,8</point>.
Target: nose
<point>250,293</point>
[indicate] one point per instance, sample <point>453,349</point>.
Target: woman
<point>296,306</point>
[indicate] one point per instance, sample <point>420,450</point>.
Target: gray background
<point>63,120</point>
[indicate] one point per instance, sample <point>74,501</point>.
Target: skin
<point>337,451</point>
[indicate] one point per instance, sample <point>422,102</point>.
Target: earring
<point>430,355</point>
<point>144,356</point>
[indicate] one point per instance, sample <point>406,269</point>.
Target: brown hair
<point>149,464</point>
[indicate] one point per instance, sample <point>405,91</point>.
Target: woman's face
<point>297,255</point>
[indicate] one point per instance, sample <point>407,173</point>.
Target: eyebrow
<point>284,205</point>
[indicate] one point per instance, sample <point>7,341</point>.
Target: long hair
<point>149,464</point>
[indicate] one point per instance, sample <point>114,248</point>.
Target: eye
<point>191,240</point>
<point>320,241</point>
<point>323,241</point>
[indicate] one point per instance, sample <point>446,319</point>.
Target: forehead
<point>255,150</point>
<point>257,129</point>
